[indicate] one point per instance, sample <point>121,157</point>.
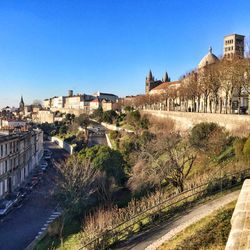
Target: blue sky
<point>49,46</point>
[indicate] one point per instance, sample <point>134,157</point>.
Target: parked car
<point>44,164</point>
<point>29,186</point>
<point>47,154</point>
<point>15,197</point>
<point>44,169</point>
<point>47,151</point>
<point>5,207</point>
<point>47,157</point>
<point>23,191</point>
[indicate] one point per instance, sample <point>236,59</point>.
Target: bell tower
<point>149,82</point>
<point>21,104</point>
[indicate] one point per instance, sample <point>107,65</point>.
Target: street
<point>98,137</point>
<point>20,227</point>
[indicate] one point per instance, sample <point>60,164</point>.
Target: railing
<point>164,209</point>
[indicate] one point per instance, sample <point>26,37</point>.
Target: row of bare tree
<point>210,89</point>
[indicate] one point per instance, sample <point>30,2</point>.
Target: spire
<point>210,49</point>
<point>150,75</point>
<point>21,104</point>
<point>166,77</point>
<point>22,99</point>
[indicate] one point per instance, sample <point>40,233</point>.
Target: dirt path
<point>156,237</point>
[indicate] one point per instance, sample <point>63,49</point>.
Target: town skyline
<point>44,50</point>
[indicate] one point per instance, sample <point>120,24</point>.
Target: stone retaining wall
<point>237,124</point>
<point>239,237</point>
<point>108,140</point>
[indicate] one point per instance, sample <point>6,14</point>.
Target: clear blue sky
<point>49,46</point>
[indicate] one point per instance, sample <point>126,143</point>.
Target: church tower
<point>21,104</point>
<point>149,82</point>
<point>234,46</point>
<point>166,78</point>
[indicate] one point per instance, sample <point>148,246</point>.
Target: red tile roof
<point>165,85</point>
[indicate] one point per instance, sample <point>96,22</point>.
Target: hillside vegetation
<point>102,190</point>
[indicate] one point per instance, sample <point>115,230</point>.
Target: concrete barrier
<point>239,237</point>
<point>62,144</point>
<point>108,141</point>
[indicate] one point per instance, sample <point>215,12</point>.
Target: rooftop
<point>234,35</point>
<point>165,85</point>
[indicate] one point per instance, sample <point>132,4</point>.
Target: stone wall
<point>76,112</point>
<point>62,144</point>
<point>237,124</point>
<point>239,237</point>
<point>108,140</point>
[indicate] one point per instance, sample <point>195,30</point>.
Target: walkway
<point>156,237</point>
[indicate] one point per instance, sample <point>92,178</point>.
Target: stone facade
<point>81,103</point>
<point>43,116</point>
<point>239,237</point>
<point>199,90</point>
<point>237,124</point>
<point>19,154</point>
<point>234,46</point>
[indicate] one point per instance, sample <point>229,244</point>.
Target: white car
<point>47,157</point>
<point>44,165</point>
<point>5,207</point>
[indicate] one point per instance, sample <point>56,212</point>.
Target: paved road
<point>154,238</point>
<point>97,138</point>
<point>20,227</point>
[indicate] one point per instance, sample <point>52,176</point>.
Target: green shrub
<point>200,132</point>
<point>238,147</point>
<point>133,118</point>
<point>109,116</point>
<point>113,135</point>
<point>210,138</point>
<point>246,149</point>
<point>144,122</point>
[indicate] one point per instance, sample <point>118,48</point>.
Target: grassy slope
<point>210,233</point>
<point>71,239</point>
<point>71,233</point>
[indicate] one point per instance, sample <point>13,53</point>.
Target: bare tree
<point>166,159</point>
<point>75,184</point>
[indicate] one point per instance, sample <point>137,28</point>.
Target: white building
<point>11,123</point>
<point>19,154</point>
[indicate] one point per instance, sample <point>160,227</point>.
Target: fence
<point>164,209</point>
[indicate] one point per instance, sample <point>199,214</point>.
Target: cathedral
<point>214,100</point>
<point>151,83</point>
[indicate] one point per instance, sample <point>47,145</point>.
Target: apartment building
<point>20,152</point>
<point>81,103</point>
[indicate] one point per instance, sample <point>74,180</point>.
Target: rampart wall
<point>237,124</point>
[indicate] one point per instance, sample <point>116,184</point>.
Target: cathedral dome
<point>208,59</point>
